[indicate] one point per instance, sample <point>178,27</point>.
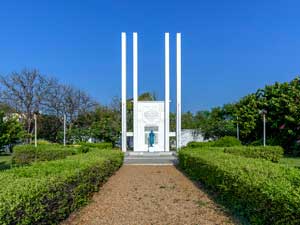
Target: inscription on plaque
<point>152,116</point>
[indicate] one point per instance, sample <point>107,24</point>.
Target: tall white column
<point>65,129</point>
<point>35,130</point>
<point>167,89</point>
<point>124,129</point>
<point>135,91</point>
<point>178,90</point>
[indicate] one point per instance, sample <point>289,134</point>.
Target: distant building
<point>188,135</point>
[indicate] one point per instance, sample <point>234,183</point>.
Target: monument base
<point>151,149</point>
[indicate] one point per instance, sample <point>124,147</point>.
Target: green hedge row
<point>26,154</point>
<point>271,153</point>
<point>258,190</point>
<point>195,144</point>
<point>226,141</point>
<point>100,145</point>
<point>85,147</point>
<point>47,192</point>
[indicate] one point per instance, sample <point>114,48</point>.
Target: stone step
<point>171,153</point>
<point>150,159</point>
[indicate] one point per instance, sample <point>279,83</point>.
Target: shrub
<point>26,154</point>
<point>226,141</point>
<point>47,192</point>
<point>83,149</point>
<point>99,145</point>
<point>271,153</point>
<point>261,191</point>
<point>44,142</point>
<point>295,149</point>
<point>194,144</point>
<point>256,143</point>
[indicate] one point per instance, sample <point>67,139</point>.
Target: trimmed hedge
<point>99,145</point>
<point>26,154</point>
<point>195,144</point>
<point>47,192</point>
<point>271,153</point>
<point>226,141</point>
<point>258,190</point>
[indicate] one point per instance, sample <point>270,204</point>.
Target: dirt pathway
<point>149,195</point>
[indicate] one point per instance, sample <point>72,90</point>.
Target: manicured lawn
<point>5,162</point>
<point>291,161</point>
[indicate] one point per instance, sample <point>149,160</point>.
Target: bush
<point>47,192</point>
<point>295,149</point>
<point>226,141</point>
<point>83,149</point>
<point>44,142</point>
<point>194,144</point>
<point>26,154</point>
<point>99,145</point>
<point>261,191</point>
<point>271,153</point>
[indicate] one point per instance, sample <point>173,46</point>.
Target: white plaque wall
<point>150,118</point>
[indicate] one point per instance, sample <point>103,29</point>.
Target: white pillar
<point>237,128</point>
<point>124,130</point>
<point>65,129</point>
<point>264,118</point>
<point>167,89</point>
<point>178,90</point>
<point>135,91</point>
<point>35,130</point>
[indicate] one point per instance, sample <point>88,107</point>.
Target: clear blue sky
<point>229,48</point>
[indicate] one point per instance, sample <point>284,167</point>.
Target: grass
<point>290,161</point>
<point>5,162</point>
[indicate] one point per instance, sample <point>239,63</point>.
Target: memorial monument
<point>151,122</point>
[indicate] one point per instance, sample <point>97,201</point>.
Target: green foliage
<point>86,146</point>
<point>281,101</point>
<point>217,123</point>
<point>103,124</point>
<point>290,161</point>
<point>49,127</point>
<point>107,129</point>
<point>5,162</point>
<point>226,141</point>
<point>195,144</point>
<point>99,145</point>
<point>11,131</point>
<point>83,149</point>
<point>147,96</point>
<point>188,121</point>
<point>75,135</point>
<point>26,154</point>
<point>258,190</point>
<point>271,153</point>
<point>47,192</point>
<point>44,142</point>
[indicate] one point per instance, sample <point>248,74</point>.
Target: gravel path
<point>149,195</point>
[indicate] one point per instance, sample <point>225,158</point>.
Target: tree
<point>102,124</point>
<point>49,127</point>
<point>187,120</point>
<point>11,130</point>
<point>30,92</point>
<point>25,92</point>
<point>217,123</point>
<point>281,101</point>
<point>107,126</point>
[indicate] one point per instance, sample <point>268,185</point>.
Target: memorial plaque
<point>152,116</point>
